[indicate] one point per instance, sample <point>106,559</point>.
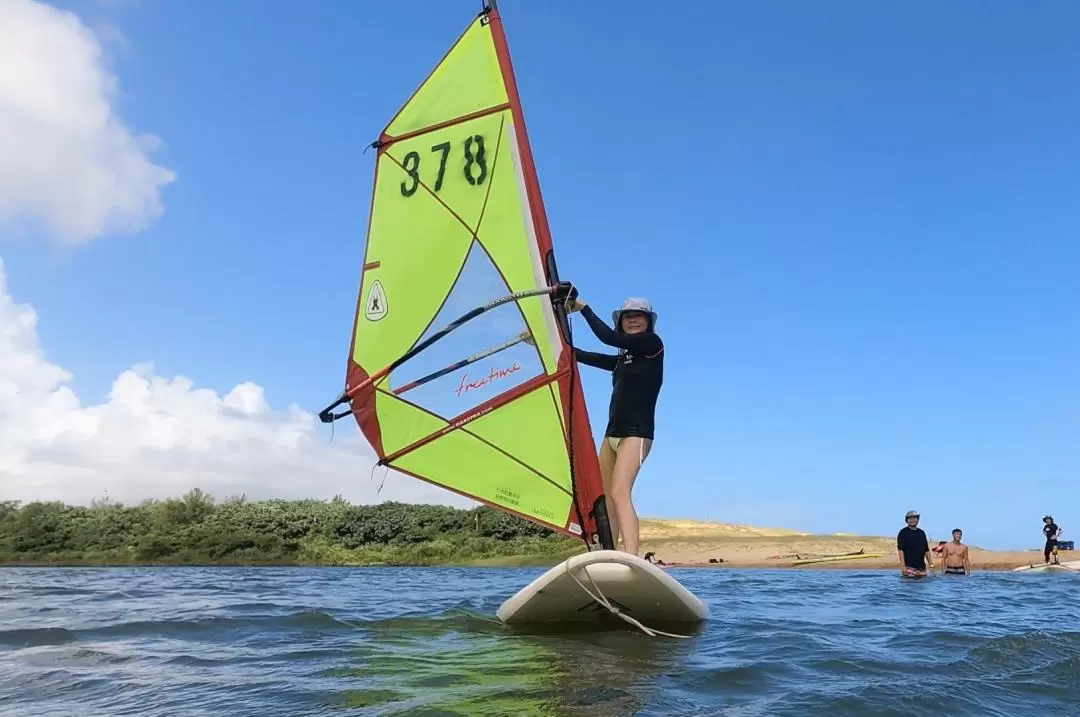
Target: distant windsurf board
<point>1072,566</point>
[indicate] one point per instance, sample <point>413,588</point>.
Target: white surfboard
<point>635,587</point>
<point>1072,566</point>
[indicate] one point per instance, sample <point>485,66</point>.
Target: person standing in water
<point>637,372</point>
<point>954,556</point>
<point>912,548</point>
<point>1051,531</point>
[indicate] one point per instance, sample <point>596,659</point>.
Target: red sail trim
<point>354,374</point>
<point>362,404</point>
<point>588,482</point>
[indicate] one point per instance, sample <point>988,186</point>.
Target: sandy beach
<point>743,546</point>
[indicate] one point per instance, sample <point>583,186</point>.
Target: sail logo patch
<point>375,305</point>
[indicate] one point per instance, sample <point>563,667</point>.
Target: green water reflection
<point>469,665</point>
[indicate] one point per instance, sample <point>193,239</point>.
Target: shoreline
<point>750,547</point>
<point>467,540</point>
<point>675,556</point>
<point>847,567</point>
<point>868,564</point>
<point>880,554</point>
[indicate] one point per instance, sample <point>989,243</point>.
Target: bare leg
<point>632,453</point>
<point>607,467</point>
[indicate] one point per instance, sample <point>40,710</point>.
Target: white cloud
<point>156,437</point>
<point>68,164</point>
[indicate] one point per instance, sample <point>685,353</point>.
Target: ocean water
<point>167,642</point>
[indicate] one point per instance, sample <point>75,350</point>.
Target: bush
<point>197,529</point>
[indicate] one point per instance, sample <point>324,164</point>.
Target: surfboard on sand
<point>458,237</point>
<point>836,558</point>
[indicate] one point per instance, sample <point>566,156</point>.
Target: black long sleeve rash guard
<point>637,372</point>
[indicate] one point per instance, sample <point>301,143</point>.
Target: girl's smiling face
<point>633,322</point>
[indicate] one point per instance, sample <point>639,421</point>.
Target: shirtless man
<point>954,556</point>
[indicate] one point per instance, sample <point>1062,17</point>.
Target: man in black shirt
<point>912,548</point>
<point>1051,531</point>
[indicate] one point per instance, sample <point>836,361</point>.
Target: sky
<point>856,221</point>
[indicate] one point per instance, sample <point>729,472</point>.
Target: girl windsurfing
<point>637,372</point>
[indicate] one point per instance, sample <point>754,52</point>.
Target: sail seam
<point>460,423</point>
<point>468,249</point>
<point>491,183</point>
<point>493,446</point>
<point>435,196</point>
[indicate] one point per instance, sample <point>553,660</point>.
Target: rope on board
<point>600,598</point>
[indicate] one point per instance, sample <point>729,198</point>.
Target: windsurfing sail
<point>461,371</point>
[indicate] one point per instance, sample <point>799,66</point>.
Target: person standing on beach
<point>954,556</point>
<point>1051,531</point>
<point>912,547</point>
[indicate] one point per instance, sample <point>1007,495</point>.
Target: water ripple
<point>399,641</point>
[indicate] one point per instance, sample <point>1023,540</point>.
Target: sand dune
<point>661,529</point>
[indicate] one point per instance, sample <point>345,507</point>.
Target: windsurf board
<point>585,587</point>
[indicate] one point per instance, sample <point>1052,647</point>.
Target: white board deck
<point>637,587</point>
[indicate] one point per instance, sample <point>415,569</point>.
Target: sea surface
<point>172,642</point>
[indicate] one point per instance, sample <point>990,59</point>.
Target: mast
<point>588,491</point>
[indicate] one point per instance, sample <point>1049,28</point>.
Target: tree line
<point>197,529</point>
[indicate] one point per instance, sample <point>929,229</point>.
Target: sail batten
<point>460,368</point>
<point>387,141</point>
<point>460,421</point>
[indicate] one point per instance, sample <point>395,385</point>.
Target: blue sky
<point>856,220</point>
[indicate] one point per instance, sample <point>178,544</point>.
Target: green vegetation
<point>196,530</point>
